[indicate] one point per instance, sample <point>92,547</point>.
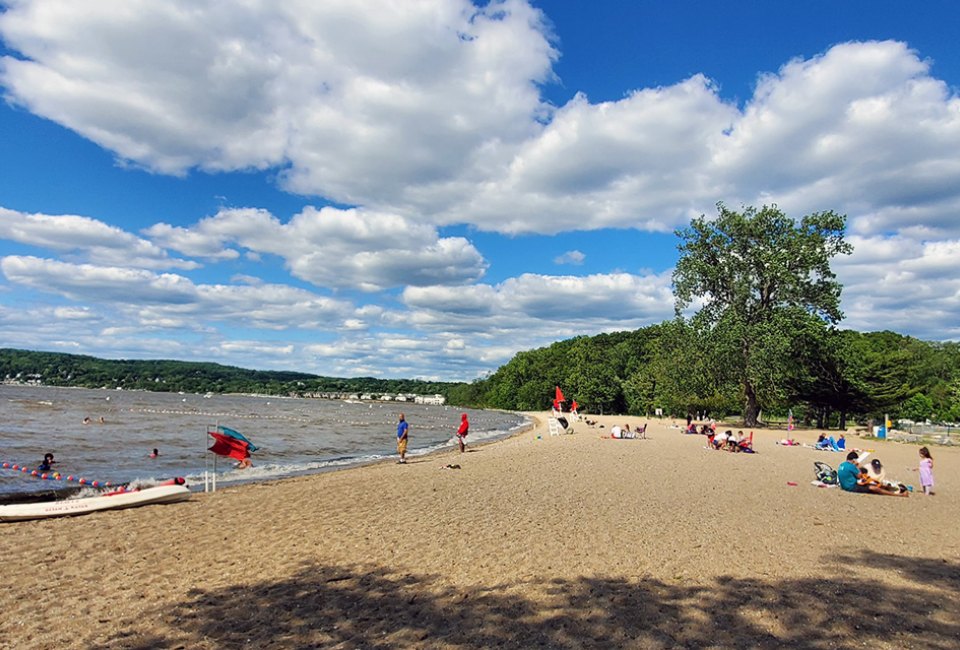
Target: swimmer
<point>244,464</point>
<point>154,453</point>
<point>86,420</point>
<point>46,463</point>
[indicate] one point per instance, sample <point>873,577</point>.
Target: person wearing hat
<point>853,478</point>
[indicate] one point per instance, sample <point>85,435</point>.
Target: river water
<point>294,436</point>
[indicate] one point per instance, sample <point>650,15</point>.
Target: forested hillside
<point>57,369</point>
<point>830,375</point>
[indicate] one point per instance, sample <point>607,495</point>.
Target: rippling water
<point>295,436</point>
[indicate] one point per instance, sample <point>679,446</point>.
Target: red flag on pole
<point>574,406</point>
<point>229,446</point>
<point>559,395</point>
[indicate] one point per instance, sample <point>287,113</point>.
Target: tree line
<point>757,307</point>
<point>60,369</point>
<point>842,377</point>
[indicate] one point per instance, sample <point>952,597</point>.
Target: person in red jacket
<point>462,432</point>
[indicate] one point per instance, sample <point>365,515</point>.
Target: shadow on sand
<point>851,605</point>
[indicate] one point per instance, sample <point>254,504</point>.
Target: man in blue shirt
<point>852,479</point>
<point>402,428</point>
<point>848,474</point>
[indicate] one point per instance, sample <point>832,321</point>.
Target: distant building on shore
<point>436,400</point>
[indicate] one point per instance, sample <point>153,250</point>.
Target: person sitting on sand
<point>827,443</point>
<point>733,440</point>
<point>720,440</point>
<point>853,478</point>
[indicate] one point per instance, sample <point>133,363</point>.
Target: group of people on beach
<point>403,436</point>
<point>857,475</point>
<point>729,441</point>
<point>827,443</point>
<point>724,440</point>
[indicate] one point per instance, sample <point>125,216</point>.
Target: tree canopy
<point>759,278</point>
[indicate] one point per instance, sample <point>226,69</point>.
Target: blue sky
<point>423,189</point>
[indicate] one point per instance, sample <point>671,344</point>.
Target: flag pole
<point>215,462</point>
<point>206,462</point>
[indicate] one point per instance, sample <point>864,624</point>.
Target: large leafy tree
<point>748,272</point>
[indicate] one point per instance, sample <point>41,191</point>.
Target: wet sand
<point>575,541</point>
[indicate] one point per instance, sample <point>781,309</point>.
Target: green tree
<point>918,408</point>
<point>750,270</point>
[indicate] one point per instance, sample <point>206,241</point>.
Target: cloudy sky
<point>421,188</point>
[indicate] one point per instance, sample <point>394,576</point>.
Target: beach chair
<point>554,427</point>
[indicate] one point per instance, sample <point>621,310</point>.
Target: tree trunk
<point>843,421</point>
<point>751,409</point>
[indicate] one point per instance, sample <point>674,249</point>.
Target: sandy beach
<point>574,541</point>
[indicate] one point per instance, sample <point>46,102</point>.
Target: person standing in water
<point>462,432</point>
<point>402,435</point>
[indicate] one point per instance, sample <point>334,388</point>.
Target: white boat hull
<point>70,507</point>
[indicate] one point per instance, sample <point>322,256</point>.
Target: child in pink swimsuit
<point>926,470</point>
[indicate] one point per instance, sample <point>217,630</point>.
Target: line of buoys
<point>54,476</point>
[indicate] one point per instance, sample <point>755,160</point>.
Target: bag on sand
<point>825,474</point>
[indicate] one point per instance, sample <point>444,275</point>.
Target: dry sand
<point>565,542</point>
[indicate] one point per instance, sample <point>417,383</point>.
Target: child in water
<point>47,462</point>
<point>154,453</point>
<point>926,470</point>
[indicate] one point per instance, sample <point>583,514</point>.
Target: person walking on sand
<point>926,470</point>
<point>402,435</point>
<point>462,432</point>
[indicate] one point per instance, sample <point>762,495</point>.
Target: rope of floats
<point>57,476</point>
